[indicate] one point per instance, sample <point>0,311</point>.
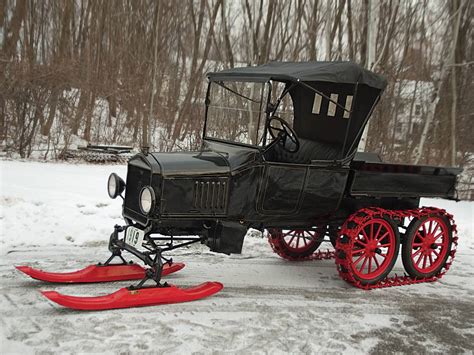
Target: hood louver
<point>210,195</point>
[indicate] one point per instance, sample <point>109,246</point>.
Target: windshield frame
<point>265,113</point>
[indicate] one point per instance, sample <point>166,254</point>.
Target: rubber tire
<point>389,268</point>
<point>293,254</point>
<point>406,247</point>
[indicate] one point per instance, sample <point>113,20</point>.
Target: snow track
<point>268,305</point>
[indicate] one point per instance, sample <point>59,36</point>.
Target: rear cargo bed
<point>385,179</point>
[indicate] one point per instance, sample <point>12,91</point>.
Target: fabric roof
<point>334,72</point>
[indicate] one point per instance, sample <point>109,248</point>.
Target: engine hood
<point>192,163</point>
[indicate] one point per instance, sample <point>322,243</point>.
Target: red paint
<point>373,249</point>
<point>95,273</point>
<point>432,232</point>
<point>125,298</point>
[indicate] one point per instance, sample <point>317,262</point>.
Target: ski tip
<point>23,268</point>
<point>51,295</point>
<point>219,286</point>
<point>178,266</point>
<point>170,269</point>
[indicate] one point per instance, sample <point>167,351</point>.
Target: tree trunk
<point>53,102</point>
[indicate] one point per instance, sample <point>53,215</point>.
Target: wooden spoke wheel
<point>426,246</point>
<point>296,243</point>
<point>374,250</point>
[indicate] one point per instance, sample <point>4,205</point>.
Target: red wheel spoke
<point>359,259</point>
<point>436,228</point>
<point>416,253</point>
<point>431,260</point>
<point>419,259</point>
<point>360,242</point>
<point>424,261</point>
<point>376,261</point>
<point>383,236</point>
<point>417,244</point>
<point>305,241</point>
<point>370,265</point>
<point>365,235</point>
<point>371,231</point>
<point>439,235</point>
<point>358,251</point>
<point>424,229</point>
<point>291,240</point>
<point>419,236</point>
<point>378,231</point>
<point>363,264</point>
<point>436,253</point>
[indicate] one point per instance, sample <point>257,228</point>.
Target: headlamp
<point>147,199</point>
<point>115,185</point>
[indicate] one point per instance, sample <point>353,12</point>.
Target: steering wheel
<point>282,132</point>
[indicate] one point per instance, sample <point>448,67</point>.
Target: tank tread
<point>348,233</point>
<point>317,255</point>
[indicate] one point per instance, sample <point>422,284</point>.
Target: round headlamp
<point>115,185</point>
<point>147,199</point>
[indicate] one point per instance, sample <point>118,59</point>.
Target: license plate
<point>134,237</point>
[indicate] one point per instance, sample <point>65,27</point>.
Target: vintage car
<point>278,154</point>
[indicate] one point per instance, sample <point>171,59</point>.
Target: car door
<point>281,188</point>
<point>310,191</point>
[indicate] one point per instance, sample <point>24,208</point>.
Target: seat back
<point>309,150</point>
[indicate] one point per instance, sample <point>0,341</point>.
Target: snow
<point>58,216</point>
<point>34,194</point>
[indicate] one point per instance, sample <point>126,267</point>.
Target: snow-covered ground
<point>58,217</point>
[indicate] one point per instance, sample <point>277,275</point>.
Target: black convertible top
<point>338,72</point>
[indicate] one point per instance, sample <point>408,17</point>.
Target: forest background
<point>107,71</point>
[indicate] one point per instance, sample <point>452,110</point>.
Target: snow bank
<point>56,204</point>
<point>67,204</point>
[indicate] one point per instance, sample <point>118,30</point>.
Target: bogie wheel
<point>294,244</point>
<point>427,245</point>
<point>373,250</point>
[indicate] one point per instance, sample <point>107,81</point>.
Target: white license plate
<point>134,236</point>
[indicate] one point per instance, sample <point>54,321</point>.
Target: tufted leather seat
<point>309,150</point>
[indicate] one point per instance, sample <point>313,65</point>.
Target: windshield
<point>236,112</point>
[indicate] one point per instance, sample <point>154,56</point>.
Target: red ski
<point>126,298</point>
<point>97,273</point>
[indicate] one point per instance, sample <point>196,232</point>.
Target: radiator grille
<point>137,178</point>
<point>210,195</point>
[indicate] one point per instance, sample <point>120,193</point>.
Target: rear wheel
<point>426,246</point>
<point>373,251</point>
<point>294,244</point>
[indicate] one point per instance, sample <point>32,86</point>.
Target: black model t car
<point>279,154</point>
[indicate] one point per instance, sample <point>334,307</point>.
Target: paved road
<point>267,306</point>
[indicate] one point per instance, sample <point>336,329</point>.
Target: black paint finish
<point>225,188</point>
<point>197,192</point>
